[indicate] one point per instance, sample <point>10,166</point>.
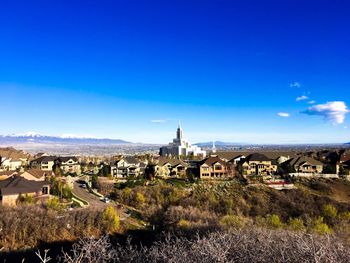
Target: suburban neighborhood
<point>22,174</point>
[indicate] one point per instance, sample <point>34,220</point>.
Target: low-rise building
<point>128,166</point>
<point>69,165</point>
<point>36,175</point>
<point>170,167</point>
<point>213,168</point>
<point>7,174</point>
<point>12,159</point>
<point>44,163</point>
<point>13,188</point>
<point>257,164</point>
<point>304,164</point>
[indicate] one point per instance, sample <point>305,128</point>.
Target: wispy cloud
<point>295,84</point>
<point>303,97</point>
<point>311,102</point>
<point>333,111</point>
<point>159,121</point>
<point>283,114</point>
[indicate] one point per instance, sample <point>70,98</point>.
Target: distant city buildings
<point>181,147</point>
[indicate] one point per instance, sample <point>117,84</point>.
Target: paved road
<point>95,202</point>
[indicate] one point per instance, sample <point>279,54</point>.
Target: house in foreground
<point>69,165</point>
<point>304,164</point>
<point>44,163</point>
<point>36,175</point>
<point>170,167</point>
<point>257,164</point>
<point>213,168</point>
<point>128,166</point>
<point>13,188</point>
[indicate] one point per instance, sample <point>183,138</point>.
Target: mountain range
<point>36,138</point>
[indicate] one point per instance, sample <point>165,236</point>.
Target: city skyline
<point>237,72</point>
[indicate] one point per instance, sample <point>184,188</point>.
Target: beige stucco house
<point>213,168</point>
<point>170,167</point>
<point>257,164</point>
<point>13,188</point>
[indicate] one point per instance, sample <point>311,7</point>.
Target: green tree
<point>104,171</point>
<point>329,169</point>
<point>110,219</point>
<point>94,181</point>
<point>57,170</point>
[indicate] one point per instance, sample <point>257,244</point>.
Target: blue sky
<point>239,71</point>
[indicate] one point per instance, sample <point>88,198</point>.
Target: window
<point>217,167</point>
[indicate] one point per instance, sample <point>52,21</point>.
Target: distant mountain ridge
<point>31,137</point>
<point>217,144</point>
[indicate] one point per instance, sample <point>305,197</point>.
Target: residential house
<point>213,168</point>
<point>69,165</point>
<point>89,168</point>
<point>44,163</point>
<point>257,164</point>
<point>36,175</point>
<point>7,174</point>
<point>170,167</point>
<point>304,164</point>
<point>12,188</point>
<point>12,159</point>
<point>128,166</point>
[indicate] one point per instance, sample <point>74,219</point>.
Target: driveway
<point>95,202</point>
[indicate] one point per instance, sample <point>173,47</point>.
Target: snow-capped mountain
<point>34,137</point>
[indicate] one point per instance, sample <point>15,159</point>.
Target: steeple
<point>214,149</point>
<point>179,132</point>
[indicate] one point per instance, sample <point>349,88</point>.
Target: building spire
<point>214,149</point>
<point>179,132</point>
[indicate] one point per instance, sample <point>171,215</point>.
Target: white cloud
<point>311,102</point>
<point>283,114</point>
<point>158,121</point>
<point>295,85</point>
<point>300,98</point>
<point>333,111</point>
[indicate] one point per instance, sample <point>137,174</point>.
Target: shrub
<point>296,224</point>
<point>54,204</point>
<point>274,221</point>
<point>110,219</point>
<point>26,199</point>
<point>184,224</point>
<point>329,211</point>
<point>320,227</point>
<point>233,221</point>
<point>140,199</point>
<point>241,246</point>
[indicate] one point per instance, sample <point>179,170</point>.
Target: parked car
<point>106,200</point>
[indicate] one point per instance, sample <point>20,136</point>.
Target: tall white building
<point>180,146</point>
